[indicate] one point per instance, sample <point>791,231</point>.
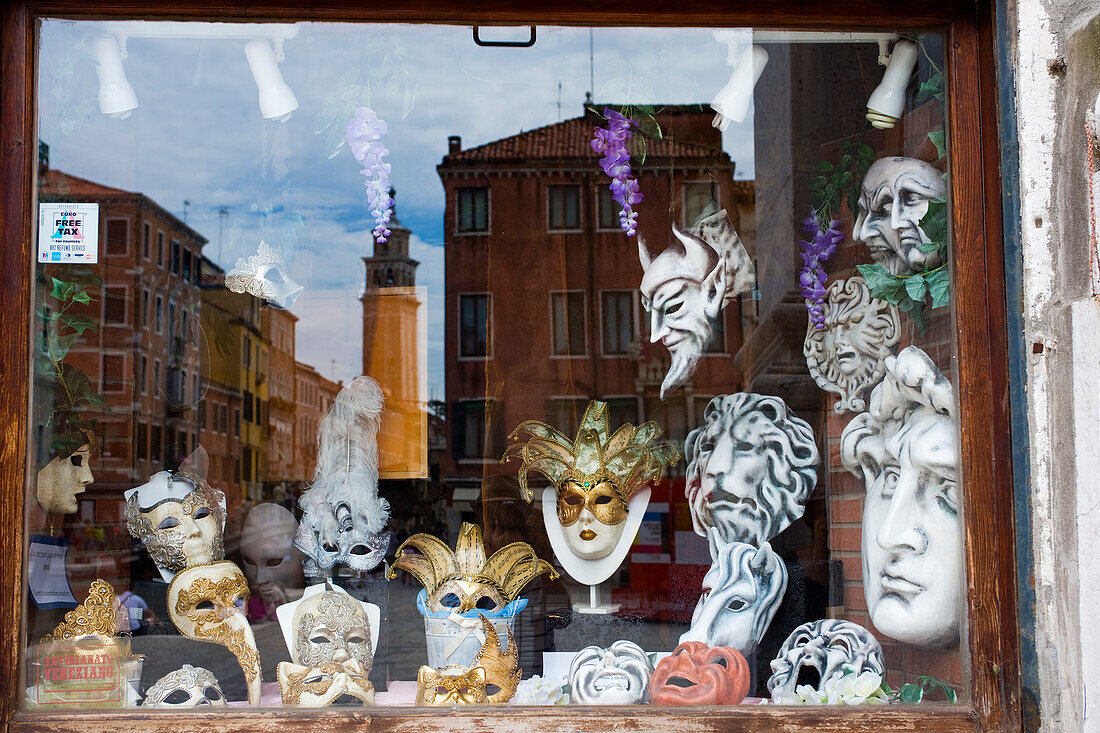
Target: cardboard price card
<point>86,672</point>
<point>68,233</point>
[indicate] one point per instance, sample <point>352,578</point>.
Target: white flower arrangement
<point>849,689</point>
<point>541,691</point>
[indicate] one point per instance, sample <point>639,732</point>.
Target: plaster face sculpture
<point>617,675</point>
<point>343,518</point>
<point>206,603</point>
<point>686,286</point>
<point>904,447</point>
<point>741,593</point>
<point>820,651</point>
<point>752,466</point>
<point>502,672</point>
<point>264,276</point>
<point>594,475</point>
<point>848,356</point>
<point>696,674</point>
<point>187,687</point>
<point>63,478</point>
<point>452,685</point>
<point>179,518</point>
<point>268,557</point>
<point>462,579</point>
<point>893,200</point>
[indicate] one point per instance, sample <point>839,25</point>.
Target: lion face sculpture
<point>752,468</point>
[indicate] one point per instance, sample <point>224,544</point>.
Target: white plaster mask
<point>187,687</point>
<point>180,519</point>
<point>848,356</point>
<point>741,593</point>
<point>331,627</point>
<point>63,478</point>
<point>264,276</point>
<point>617,675</point>
<point>752,466</point>
<point>685,287</point>
<point>206,603</point>
<point>268,557</point>
<point>819,652</point>
<point>893,199</point>
<point>905,448</point>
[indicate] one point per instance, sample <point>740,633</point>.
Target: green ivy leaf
<point>61,290</point>
<point>82,298</point>
<point>939,287</point>
<point>915,287</point>
<point>825,166</point>
<point>910,693</point>
<point>647,125</point>
<point>79,323</point>
<point>937,138</point>
<point>43,366</point>
<point>59,345</point>
<point>883,285</point>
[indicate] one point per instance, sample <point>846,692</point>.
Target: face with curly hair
<point>752,468</point>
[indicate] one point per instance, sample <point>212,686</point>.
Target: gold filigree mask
<point>502,672</point>
<point>206,603</point>
<point>600,498</point>
<point>328,683</point>
<point>451,685</point>
<point>179,533</point>
<point>98,615</point>
<point>332,627</point>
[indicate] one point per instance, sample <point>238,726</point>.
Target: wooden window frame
<point>992,631</point>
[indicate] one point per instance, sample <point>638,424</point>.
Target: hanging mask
<point>206,603</point>
<point>264,276</point>
<point>697,674</point>
<point>180,518</point>
<point>595,475</point>
<point>332,627</point>
<point>617,675</point>
<point>821,651</point>
<point>452,685</point>
<point>328,683</point>
<point>502,672</point>
<point>187,687</point>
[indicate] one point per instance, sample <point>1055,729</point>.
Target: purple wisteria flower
<point>612,143</point>
<point>811,279</point>
<point>364,133</point>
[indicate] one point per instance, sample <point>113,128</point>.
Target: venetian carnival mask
<point>100,615</point>
<point>752,467</point>
<point>697,674</point>
<point>328,683</point>
<point>452,685</point>
<point>462,579</point>
<point>617,675</point>
<point>741,593</point>
<point>264,276</point>
<point>206,603</point>
<point>905,448</point>
<point>61,479</point>
<point>502,672</point>
<point>893,199</point>
<point>594,475</point>
<point>343,518</point>
<point>179,518</point>
<point>821,651</point>
<point>332,627</point>
<point>848,356</point>
<point>685,288</point>
<point>187,687</point>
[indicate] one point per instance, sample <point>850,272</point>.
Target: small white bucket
<point>458,642</point>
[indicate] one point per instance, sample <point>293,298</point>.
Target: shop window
<point>146,239</point>
<point>175,261</point>
<point>112,373</point>
<point>475,324</point>
<point>698,197</point>
<point>607,210</point>
<point>160,249</point>
<point>617,321</point>
<point>115,306</point>
<point>473,210</point>
<point>478,432</point>
<point>564,204</point>
<point>567,323</point>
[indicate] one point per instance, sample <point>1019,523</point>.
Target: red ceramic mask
<point>697,674</point>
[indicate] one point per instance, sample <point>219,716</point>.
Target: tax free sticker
<point>68,233</point>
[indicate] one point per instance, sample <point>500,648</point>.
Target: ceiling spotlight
<point>887,102</point>
<point>116,96</point>
<point>277,100</point>
<point>732,102</point>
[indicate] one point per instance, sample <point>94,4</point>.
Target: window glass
<point>684,328</point>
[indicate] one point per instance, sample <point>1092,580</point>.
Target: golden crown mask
<point>433,563</point>
<point>97,615</point>
<point>627,459</point>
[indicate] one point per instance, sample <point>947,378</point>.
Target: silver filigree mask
<point>264,276</point>
<point>332,627</point>
<point>178,532</point>
<point>187,687</point>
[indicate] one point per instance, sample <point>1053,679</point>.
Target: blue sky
<point>198,136</point>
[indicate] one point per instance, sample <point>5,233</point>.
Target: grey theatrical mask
<point>892,201</point>
<point>752,465</point>
<point>686,286</point>
<point>848,356</point>
<point>741,593</point>
<point>905,449</point>
<point>821,651</point>
<point>617,675</point>
<point>187,687</point>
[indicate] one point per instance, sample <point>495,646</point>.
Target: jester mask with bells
<point>594,475</point>
<point>187,687</point>
<point>451,685</point>
<point>462,579</point>
<point>206,603</point>
<point>179,518</point>
<point>686,286</point>
<point>502,672</point>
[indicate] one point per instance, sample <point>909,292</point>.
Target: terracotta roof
<point>570,139</point>
<point>63,184</point>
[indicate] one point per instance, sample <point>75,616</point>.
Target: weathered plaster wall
<point>1058,77</point>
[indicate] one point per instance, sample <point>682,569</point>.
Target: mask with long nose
<point>892,201</point>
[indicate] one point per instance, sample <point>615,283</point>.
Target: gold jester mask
<point>451,685</point>
<point>462,579</point>
<point>502,672</point>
